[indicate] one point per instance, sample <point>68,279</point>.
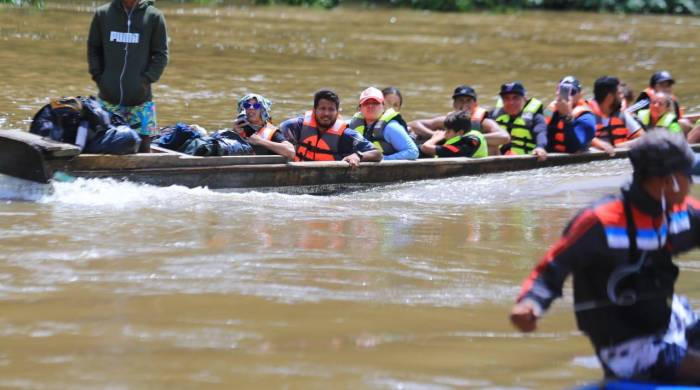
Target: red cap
<point>371,93</point>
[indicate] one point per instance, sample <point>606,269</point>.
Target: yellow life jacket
<point>522,140</point>
<point>376,136</point>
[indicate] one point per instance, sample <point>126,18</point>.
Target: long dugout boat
<point>30,157</point>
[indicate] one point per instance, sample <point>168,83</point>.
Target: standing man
<point>321,135</point>
<point>127,52</point>
<point>620,252</point>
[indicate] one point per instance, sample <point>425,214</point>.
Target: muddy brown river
<point>116,285</point>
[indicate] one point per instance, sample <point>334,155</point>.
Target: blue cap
<point>515,87</point>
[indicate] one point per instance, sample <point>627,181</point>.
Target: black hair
<point>459,121</point>
<point>604,86</point>
<point>393,91</point>
<point>326,94</point>
<point>660,153</point>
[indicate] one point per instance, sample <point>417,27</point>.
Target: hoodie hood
<point>140,4</point>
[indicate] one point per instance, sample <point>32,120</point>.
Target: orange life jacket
<point>615,131</point>
<point>315,146</point>
<point>556,123</point>
<point>478,116</point>
<point>267,131</point>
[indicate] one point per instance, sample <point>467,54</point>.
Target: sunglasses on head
<point>256,105</point>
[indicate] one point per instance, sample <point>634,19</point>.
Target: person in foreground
<point>384,128</point>
<point>620,252</point>
<point>321,135</point>
<point>458,140</point>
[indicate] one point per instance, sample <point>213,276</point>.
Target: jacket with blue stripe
<point>619,292</point>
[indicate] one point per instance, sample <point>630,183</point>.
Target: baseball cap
<point>514,87</point>
<point>660,77</point>
<point>371,93</point>
<point>571,80</point>
<point>464,90</point>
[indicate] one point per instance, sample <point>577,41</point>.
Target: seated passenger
<point>627,96</point>
<point>523,119</point>
<point>254,126</point>
<point>661,81</point>
<point>571,127</point>
<point>659,114</point>
<point>614,128</point>
<point>393,98</point>
<point>385,129</point>
<point>464,98</point>
<point>321,135</point>
<point>457,140</point>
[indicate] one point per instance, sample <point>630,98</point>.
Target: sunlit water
<point>116,285</point>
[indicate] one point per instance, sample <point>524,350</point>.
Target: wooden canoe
<point>37,159</point>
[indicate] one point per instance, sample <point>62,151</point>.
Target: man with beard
<point>321,135</point>
<point>614,128</point>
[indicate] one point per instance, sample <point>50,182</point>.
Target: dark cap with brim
<point>660,77</point>
<point>514,87</point>
<point>464,90</point>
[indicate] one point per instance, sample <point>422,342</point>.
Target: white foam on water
<point>124,194</point>
<point>12,188</point>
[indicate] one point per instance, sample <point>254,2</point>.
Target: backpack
<point>60,119</point>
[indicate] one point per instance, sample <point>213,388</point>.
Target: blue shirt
<point>350,141</point>
<point>398,137</point>
<point>584,131</point>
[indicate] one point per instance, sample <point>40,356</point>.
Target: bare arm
<point>602,145</point>
<point>425,128</point>
<point>493,133</point>
<point>428,146</point>
<point>372,156</point>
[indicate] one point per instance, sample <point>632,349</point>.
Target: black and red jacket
<point>622,287</point>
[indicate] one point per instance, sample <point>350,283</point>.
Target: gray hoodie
<point>127,51</point>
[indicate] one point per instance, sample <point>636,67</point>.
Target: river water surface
<point>107,284</point>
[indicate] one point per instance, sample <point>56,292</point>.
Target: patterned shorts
<point>657,356</point>
<point>142,118</point>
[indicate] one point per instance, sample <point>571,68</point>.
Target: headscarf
<point>265,103</point>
